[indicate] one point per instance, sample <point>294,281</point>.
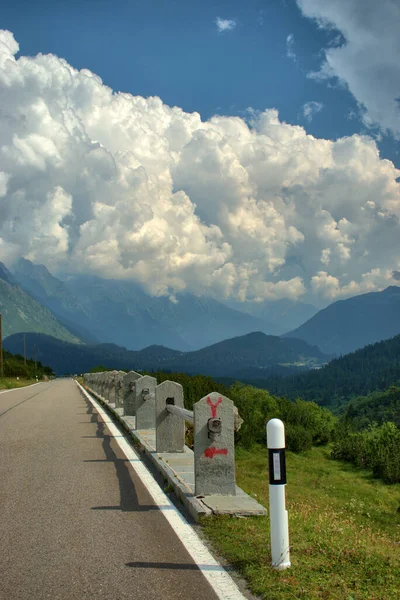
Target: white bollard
<point>277,508</point>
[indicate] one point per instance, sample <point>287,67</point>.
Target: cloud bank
<point>366,58</point>
<point>127,187</point>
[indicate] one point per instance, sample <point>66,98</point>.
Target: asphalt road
<point>75,520</point>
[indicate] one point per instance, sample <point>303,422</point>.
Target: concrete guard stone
<point>214,454</point>
<point>129,392</point>
<point>145,409</point>
<point>112,390</point>
<point>118,388</point>
<point>109,392</point>
<point>170,429</point>
<point>104,385</point>
<point>101,383</point>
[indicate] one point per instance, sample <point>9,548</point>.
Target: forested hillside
<point>375,367</point>
<point>376,408</point>
<point>14,366</point>
<point>252,354</point>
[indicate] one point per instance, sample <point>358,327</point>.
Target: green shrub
<point>298,438</point>
<point>306,423</point>
<point>375,448</point>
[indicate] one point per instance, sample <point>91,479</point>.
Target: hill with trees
<point>376,408</point>
<point>373,368</point>
<point>251,355</point>
<point>14,366</point>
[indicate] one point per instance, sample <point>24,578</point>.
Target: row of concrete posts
<point>161,408</point>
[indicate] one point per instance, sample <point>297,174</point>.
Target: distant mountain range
<point>251,355</point>
<point>22,313</point>
<point>120,312</point>
<point>95,310</point>
<point>347,325</point>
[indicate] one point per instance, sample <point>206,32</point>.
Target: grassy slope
<point>8,383</point>
<point>344,531</point>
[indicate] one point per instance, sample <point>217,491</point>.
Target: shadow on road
<point>128,496</point>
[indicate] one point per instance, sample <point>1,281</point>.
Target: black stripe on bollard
<point>277,466</point>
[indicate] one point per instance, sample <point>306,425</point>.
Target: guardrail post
<point>111,387</point>
<point>277,483</point>
<point>214,455</point>
<point>106,386</point>
<point>93,381</point>
<point>118,384</point>
<point>170,428</point>
<point>129,393</point>
<point>145,388</point>
<point>102,384</point>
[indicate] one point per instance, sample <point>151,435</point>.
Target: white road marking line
<point>221,582</point>
<point>24,387</point>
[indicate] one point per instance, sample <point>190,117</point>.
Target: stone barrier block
<point>111,387</point>
<point>170,429</point>
<point>101,384</point>
<point>118,382</point>
<point>214,446</point>
<point>145,389</point>
<point>129,392</point>
<point>106,385</point>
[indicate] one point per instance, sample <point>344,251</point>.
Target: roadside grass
<point>8,383</point>
<point>344,529</point>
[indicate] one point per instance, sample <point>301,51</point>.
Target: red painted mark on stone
<point>211,452</point>
<point>213,406</point>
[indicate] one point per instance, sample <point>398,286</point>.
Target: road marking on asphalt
<point>221,582</point>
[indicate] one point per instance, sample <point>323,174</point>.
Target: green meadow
<point>344,529</point>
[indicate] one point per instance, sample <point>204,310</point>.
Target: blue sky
<point>173,49</point>
<point>259,175</point>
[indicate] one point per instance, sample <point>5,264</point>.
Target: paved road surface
<point>75,521</point>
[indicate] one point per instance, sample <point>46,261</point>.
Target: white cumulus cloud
<point>93,181</point>
<point>225,24</point>
<point>365,58</point>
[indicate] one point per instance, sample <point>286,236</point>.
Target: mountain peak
<point>26,267</point>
